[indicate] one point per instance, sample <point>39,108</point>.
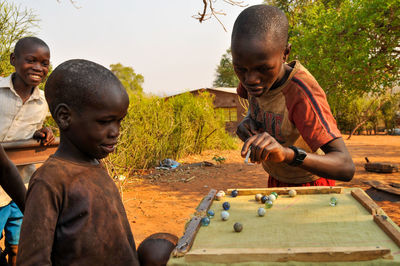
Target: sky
<point>158,39</point>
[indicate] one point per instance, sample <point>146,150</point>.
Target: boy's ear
<point>12,59</point>
<point>287,52</point>
<point>62,116</point>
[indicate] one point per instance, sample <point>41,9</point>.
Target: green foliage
<point>156,128</point>
<point>218,159</point>
<point>225,76</point>
<point>374,113</point>
<point>49,122</point>
<point>350,46</point>
<point>129,79</point>
<point>15,23</point>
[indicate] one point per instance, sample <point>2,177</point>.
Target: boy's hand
<point>264,147</point>
<point>44,135</point>
<point>246,129</point>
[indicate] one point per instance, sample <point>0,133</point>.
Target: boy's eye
<point>264,68</point>
<point>240,69</point>
<point>104,122</point>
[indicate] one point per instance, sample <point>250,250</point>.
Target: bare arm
<point>335,164</point>
<point>11,181</point>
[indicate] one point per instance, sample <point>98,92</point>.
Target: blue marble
<point>234,193</point>
<point>264,199</point>
<point>226,205</point>
<point>205,221</point>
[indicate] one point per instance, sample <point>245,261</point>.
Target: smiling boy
<point>23,109</point>
<point>289,127</point>
<point>73,213</point>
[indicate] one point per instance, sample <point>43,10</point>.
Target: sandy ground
<point>163,201</point>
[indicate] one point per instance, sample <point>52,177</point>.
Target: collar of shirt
<point>7,83</point>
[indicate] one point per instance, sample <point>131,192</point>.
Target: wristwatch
<point>299,156</point>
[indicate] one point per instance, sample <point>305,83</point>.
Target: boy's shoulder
<point>301,81</point>
<point>5,82</point>
<point>302,75</point>
<point>56,171</point>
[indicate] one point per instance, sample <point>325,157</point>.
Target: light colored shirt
<point>18,121</point>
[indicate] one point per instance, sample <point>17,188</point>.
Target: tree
<point>352,47</point>
<point>15,23</point>
<point>209,10</point>
<point>225,76</point>
<point>129,79</point>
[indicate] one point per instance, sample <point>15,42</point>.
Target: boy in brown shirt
<point>74,214</point>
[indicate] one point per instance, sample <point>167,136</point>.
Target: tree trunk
<point>357,127</point>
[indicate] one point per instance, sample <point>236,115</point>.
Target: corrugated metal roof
<point>229,90</point>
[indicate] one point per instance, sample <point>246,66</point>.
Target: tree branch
<point>209,11</point>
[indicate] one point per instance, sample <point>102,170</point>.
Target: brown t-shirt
<point>74,216</point>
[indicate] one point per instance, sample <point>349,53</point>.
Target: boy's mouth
<point>109,148</point>
<point>255,90</point>
<point>35,77</point>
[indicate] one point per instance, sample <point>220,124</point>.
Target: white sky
<point>158,38</point>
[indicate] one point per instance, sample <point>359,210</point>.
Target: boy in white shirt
<point>23,109</point>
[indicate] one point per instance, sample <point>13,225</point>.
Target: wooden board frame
<point>285,190</point>
<point>306,254</point>
<point>366,201</point>
<point>377,212</point>
<point>388,228</point>
<point>186,241</point>
<point>309,254</point>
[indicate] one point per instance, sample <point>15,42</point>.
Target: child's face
<point>257,63</point>
<point>31,64</point>
<point>95,129</point>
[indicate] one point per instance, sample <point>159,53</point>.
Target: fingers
<point>253,127</point>
<point>263,147</point>
<point>246,129</point>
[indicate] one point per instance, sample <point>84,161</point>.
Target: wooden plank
<point>186,241</point>
<point>388,228</point>
<point>366,201</point>
<point>206,202</point>
<point>285,190</point>
<point>25,152</point>
<point>383,186</point>
<point>305,254</point>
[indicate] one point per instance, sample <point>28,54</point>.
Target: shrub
<point>156,128</point>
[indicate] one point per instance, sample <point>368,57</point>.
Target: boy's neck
<point>286,73</point>
<point>68,151</point>
<point>23,90</point>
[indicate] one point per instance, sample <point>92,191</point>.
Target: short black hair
<point>21,43</point>
<point>77,83</point>
<point>262,21</point>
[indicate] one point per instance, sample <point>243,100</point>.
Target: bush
<point>156,128</point>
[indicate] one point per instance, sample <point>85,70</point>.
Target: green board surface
<point>304,221</point>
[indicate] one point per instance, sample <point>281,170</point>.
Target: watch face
<point>299,156</point>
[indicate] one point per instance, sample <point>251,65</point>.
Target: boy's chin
<point>257,93</point>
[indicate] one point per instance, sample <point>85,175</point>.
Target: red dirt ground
<point>164,200</point>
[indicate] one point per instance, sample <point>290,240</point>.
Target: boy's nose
<point>37,66</point>
<point>114,131</point>
<point>252,78</point>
